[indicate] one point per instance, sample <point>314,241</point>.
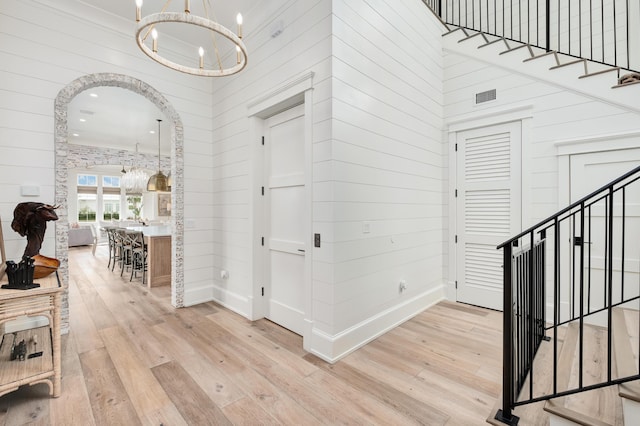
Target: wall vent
<point>489,95</point>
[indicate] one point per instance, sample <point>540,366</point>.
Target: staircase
<point>571,337</point>
<point>528,43</point>
<point>571,282</point>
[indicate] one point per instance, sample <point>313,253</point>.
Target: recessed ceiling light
<point>153,132</point>
<point>82,120</point>
<point>93,95</point>
<point>76,134</point>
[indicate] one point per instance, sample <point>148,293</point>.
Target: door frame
<point>485,118</point>
<point>296,91</point>
<point>565,148</point>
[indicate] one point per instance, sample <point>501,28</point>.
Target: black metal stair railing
<point>602,31</point>
<point>588,258</point>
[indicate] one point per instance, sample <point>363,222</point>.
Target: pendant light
<point>158,182</point>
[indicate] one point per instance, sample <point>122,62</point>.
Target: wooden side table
<point>44,301</point>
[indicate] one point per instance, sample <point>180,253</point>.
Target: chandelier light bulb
<point>201,53</point>
<point>239,21</point>
<point>154,35</point>
<point>138,10</point>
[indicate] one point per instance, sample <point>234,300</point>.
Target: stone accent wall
<point>69,155</point>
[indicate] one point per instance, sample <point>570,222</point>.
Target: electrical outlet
<point>316,240</point>
<point>403,286</point>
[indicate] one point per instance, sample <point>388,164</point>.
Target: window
<point>87,180</point>
<point>111,197</point>
<point>111,207</point>
<point>87,204</point>
<point>111,182</point>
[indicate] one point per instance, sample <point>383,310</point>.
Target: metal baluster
<point>532,316</point>
<point>556,299</point>
<point>580,27</point>
<point>622,240</point>
<point>528,22</point>
<point>610,279</point>
<point>615,36</point>
<point>591,27</point>
<point>602,26</point>
<point>589,266</point>
<point>548,24</point>
<point>569,26</point>
<point>628,49</point>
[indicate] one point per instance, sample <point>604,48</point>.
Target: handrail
<point>571,207</point>
<point>598,31</point>
<point>593,227</point>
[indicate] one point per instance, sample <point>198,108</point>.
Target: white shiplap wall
<point>44,45</point>
<point>385,171</point>
<point>303,46</point>
<point>557,114</point>
<point>377,158</point>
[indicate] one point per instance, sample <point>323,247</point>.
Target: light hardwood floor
<point>131,358</point>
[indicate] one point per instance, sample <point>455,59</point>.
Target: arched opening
<point>67,156</point>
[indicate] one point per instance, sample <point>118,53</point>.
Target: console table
<point>44,301</point>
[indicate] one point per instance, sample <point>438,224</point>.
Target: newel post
<point>505,415</point>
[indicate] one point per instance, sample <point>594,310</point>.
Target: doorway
<point>72,159</point>
<point>488,206</point>
<point>285,218</point>
<point>588,172</point>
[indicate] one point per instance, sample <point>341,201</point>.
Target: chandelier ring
<point>163,17</point>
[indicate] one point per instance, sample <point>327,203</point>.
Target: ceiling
<point>116,118</point>
<point>120,119</point>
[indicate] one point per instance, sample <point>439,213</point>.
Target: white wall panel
<point>44,45</point>
<point>557,114</point>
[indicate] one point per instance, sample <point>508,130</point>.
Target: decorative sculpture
<point>30,220</point>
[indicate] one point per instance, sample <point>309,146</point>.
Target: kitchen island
<point>158,241</point>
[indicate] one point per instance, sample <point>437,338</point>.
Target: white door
<point>285,218</point>
<point>590,172</point>
<point>488,209</point>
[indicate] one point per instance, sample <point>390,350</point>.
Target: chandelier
<point>158,182</point>
<point>220,68</point>
<point>134,181</point>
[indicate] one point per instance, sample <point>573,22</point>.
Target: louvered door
<point>488,209</point>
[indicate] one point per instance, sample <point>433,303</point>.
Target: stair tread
<point>573,415</point>
<point>625,360</point>
<point>591,74</point>
<point>542,55</point>
<point>595,407</point>
<point>625,85</point>
<point>566,64</point>
<point>498,40</point>
<point>630,390</point>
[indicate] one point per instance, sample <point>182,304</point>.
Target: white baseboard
<point>332,348</point>
<point>212,293</point>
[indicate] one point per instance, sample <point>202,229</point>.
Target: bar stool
<point>119,248</point>
<point>139,252</point>
<point>126,250</point>
<point>112,244</point>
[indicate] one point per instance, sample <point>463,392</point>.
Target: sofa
<point>81,236</point>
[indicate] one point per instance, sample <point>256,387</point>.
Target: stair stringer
<point>601,87</point>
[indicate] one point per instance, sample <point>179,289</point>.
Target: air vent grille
<point>489,95</point>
